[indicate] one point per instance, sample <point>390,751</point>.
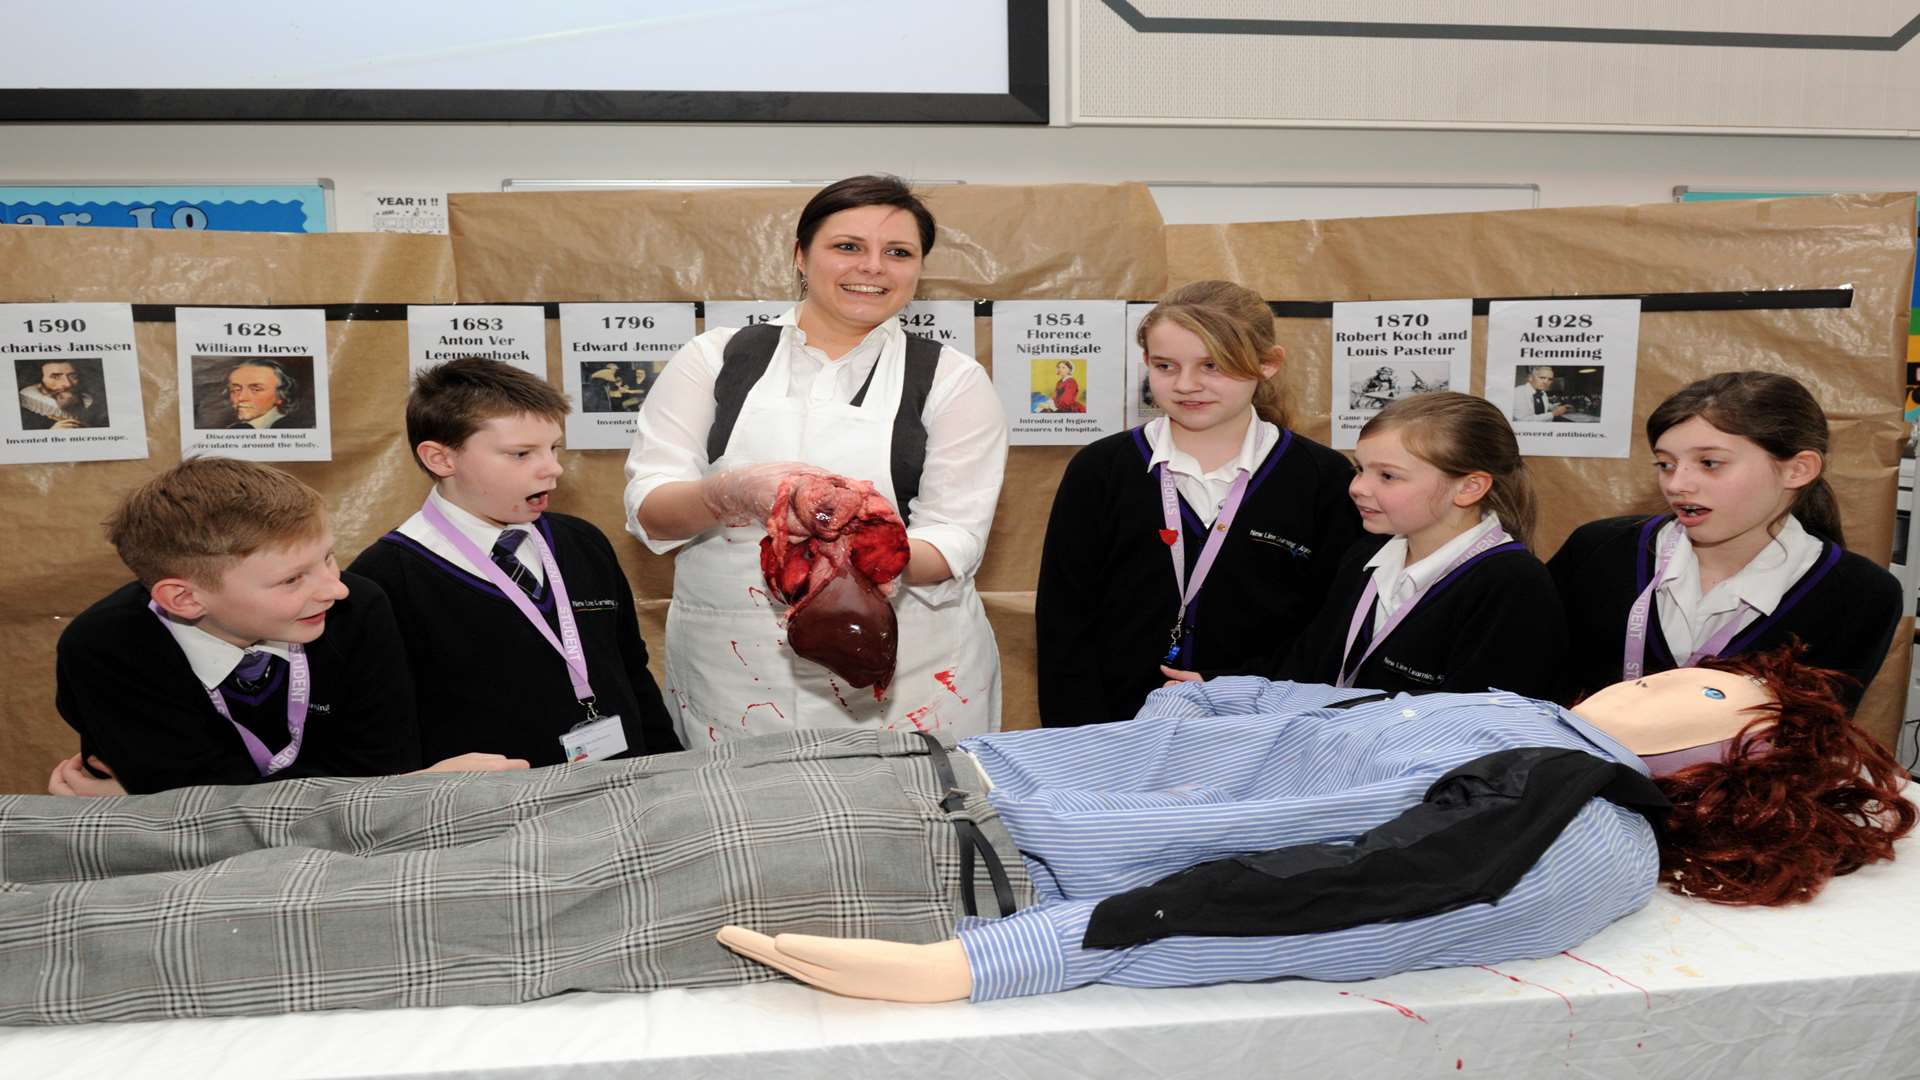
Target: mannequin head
<point>1801,794</point>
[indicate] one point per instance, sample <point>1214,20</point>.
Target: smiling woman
<point>834,385</point>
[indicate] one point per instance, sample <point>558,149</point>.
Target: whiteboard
<point>1194,203</point>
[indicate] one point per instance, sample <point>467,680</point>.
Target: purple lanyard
<point>568,643</point>
<point>1633,663</point>
<point>299,689</point>
<point>1361,610</point>
<point>1170,512</point>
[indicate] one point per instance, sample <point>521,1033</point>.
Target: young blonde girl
<point>1444,595</point>
<point>1199,540</point>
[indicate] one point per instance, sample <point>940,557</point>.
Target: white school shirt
<point>1688,618</point>
<point>483,534</point>
<point>212,659</point>
<point>1395,583</point>
<point>1206,492</point>
<point>966,436</point>
<point>1523,406</point>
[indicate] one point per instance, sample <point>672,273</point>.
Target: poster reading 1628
<point>253,383</point>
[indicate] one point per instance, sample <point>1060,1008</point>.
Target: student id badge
<point>594,740</point>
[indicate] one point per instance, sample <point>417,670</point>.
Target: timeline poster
<point>1140,406</point>
<point>253,383</point>
<point>744,312</point>
<point>1060,367</point>
<point>76,379</point>
<point>949,322</point>
<point>1563,372</point>
<point>1384,350</point>
<point>611,356</point>
<point>510,333</point>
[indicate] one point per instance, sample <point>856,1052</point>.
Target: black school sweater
<point>124,685</point>
<point>486,681</point>
<point>1495,622</point>
<point>1106,603</point>
<point>1845,609</point>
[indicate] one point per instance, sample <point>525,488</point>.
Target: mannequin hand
<point>473,763</point>
<point>861,967</point>
<point>1176,676</point>
<point>743,496</point>
<point>71,778</point>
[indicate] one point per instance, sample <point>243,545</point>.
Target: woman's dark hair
<point>1773,411</point>
<point>857,191</point>
<point>1802,796</point>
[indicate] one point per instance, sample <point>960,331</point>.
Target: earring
<point>803,283</point>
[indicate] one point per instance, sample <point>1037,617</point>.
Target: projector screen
<point>978,61</point>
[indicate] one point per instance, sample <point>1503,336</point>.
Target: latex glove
<point>462,763</point>
<point>71,778</point>
<point>1176,676</point>
<point>861,967</point>
<point>743,496</point>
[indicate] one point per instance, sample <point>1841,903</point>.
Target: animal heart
<point>835,578</point>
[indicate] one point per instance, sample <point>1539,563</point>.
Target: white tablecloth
<point>1679,989</point>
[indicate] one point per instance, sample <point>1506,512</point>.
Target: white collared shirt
<point>266,419</point>
<point>1687,618</point>
<point>966,435</point>
<point>212,659</point>
<point>1206,491</point>
<point>483,534</point>
<point>1396,583</point>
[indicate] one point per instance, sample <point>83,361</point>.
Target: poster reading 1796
<point>1060,367</point>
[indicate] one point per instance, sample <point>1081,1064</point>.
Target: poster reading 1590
<point>288,208</point>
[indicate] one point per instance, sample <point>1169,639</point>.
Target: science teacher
<point>838,384</point>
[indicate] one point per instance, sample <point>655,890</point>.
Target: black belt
<point>971,838</point>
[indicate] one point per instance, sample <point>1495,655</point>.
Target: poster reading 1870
<point>1060,367</point>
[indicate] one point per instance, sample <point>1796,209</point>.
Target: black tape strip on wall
<point>1743,300</point>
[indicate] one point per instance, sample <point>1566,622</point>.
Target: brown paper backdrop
<point>1062,242</point>
<point>1852,359</point>
<point>58,558</point>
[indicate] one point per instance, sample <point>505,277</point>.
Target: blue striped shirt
<point>1238,765</point>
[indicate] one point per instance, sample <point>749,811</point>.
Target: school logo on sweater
<point>1413,674</point>
<point>1297,550</point>
<point>595,605</point>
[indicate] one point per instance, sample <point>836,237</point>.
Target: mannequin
<point>613,876</point>
<point>1713,726</point>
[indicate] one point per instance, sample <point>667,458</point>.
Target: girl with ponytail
<point>1445,595</point>
<point>1750,554</point>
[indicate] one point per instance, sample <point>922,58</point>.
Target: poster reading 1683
<point>76,381</point>
<point>1060,367</point>
<point>253,383</point>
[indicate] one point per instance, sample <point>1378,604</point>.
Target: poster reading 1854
<point>76,382</point>
<point>253,383</point>
<point>1060,367</point>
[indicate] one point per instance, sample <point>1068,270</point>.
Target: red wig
<point>1802,795</point>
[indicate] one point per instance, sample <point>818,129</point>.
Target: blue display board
<point>286,208</point>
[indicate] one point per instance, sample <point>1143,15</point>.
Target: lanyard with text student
<point>592,738</point>
<point>1496,540</point>
<point>299,690</point>
<point>1176,541</point>
<point>1633,663</point>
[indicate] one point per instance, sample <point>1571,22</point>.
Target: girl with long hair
<point>1445,594</point>
<point>1749,555</point>
<point>1200,540</point>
